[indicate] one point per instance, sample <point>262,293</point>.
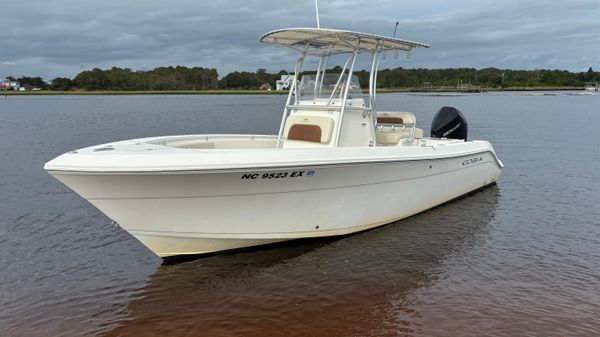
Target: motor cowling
<point>449,122</point>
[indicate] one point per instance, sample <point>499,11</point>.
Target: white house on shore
<point>7,84</point>
<point>285,83</point>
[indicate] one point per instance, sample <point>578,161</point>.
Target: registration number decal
<point>278,175</point>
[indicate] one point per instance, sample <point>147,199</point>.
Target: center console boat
<point>336,166</point>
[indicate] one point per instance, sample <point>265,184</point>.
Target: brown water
<point>519,259</point>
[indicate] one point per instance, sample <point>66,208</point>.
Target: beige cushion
<point>392,137</point>
<point>389,136</point>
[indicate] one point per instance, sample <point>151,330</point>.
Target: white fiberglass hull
<point>202,211</point>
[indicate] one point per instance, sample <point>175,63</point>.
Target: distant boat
<point>592,87</point>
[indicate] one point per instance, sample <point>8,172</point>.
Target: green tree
<point>262,77</point>
<point>32,82</point>
<point>240,80</point>
<point>162,78</point>
<point>590,75</point>
<point>61,83</point>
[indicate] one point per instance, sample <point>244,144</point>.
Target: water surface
<point>520,258</point>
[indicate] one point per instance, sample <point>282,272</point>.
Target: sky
<point>61,38</point>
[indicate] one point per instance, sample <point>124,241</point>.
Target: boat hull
<point>205,211</point>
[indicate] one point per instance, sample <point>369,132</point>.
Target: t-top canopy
<point>333,41</point>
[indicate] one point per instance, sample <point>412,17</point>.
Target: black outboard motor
<point>449,123</point>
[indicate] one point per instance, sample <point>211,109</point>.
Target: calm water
<point>521,258</point>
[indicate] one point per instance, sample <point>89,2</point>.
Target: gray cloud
<point>63,37</point>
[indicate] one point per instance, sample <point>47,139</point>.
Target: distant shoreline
<point>253,92</point>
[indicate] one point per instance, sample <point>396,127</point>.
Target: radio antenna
<point>317,9</point>
<point>393,36</point>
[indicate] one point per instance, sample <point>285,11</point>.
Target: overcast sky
<point>63,37</point>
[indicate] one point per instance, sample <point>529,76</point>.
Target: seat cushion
<point>390,120</point>
<point>305,132</point>
<point>390,117</point>
<point>307,128</point>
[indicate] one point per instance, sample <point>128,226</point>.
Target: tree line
<point>198,78</point>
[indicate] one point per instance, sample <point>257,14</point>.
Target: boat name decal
<point>472,161</point>
<point>278,175</point>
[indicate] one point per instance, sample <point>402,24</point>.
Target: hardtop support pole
<point>372,75</point>
<point>293,90</point>
<point>345,97</point>
<point>374,107</point>
<point>297,70</point>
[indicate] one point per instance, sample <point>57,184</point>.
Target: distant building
<point>285,83</point>
<point>10,85</point>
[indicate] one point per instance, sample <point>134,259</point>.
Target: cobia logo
<point>472,161</point>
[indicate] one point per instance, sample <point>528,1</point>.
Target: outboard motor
<point>449,122</point>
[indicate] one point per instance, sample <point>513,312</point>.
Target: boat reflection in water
<point>357,285</point>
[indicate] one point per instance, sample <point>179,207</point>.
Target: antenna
<point>317,9</point>
<point>393,36</point>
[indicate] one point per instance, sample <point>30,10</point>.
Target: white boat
<point>337,165</point>
<point>592,87</point>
